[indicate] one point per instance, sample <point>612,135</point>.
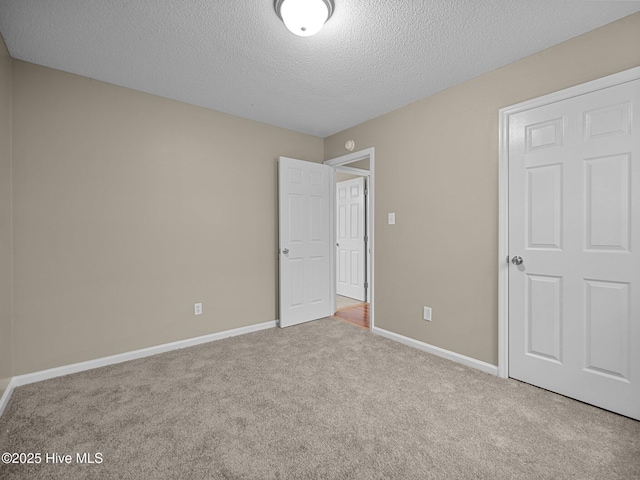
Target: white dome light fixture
<point>304,17</point>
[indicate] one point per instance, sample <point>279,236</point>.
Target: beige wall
<point>341,177</point>
<point>130,208</point>
<point>5,219</point>
<point>436,167</point>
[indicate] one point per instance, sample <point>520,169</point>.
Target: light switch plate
<point>392,219</point>
<point>427,314</point>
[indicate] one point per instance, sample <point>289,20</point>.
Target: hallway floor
<point>352,311</point>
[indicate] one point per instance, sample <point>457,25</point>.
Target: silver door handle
<point>517,260</point>
<point>285,251</point>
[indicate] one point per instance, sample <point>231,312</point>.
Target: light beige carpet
<point>320,400</point>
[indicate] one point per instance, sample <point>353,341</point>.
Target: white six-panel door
<point>574,219</point>
<point>305,243</point>
<point>350,230</point>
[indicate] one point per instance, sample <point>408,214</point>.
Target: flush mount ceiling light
<point>304,17</point>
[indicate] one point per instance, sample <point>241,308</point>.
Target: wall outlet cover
<point>197,309</point>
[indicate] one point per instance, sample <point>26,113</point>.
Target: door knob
<point>517,260</point>
<point>285,251</point>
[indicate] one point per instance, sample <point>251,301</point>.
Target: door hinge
<point>366,238</point>
<point>366,284</point>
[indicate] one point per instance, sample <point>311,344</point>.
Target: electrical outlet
<point>197,309</point>
<point>427,314</point>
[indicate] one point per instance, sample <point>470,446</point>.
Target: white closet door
<point>574,223</point>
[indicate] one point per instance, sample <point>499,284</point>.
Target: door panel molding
<point>503,213</point>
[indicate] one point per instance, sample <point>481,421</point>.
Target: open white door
<point>305,241</point>
<point>574,241</point>
<point>351,230</point>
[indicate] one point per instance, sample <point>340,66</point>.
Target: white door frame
<point>338,162</point>
<point>503,155</point>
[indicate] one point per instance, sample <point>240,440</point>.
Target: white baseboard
<point>4,400</point>
<point>25,379</point>
<point>441,352</point>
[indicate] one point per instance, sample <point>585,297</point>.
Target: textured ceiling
<point>235,56</point>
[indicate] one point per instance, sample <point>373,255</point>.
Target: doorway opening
<point>352,281</point>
